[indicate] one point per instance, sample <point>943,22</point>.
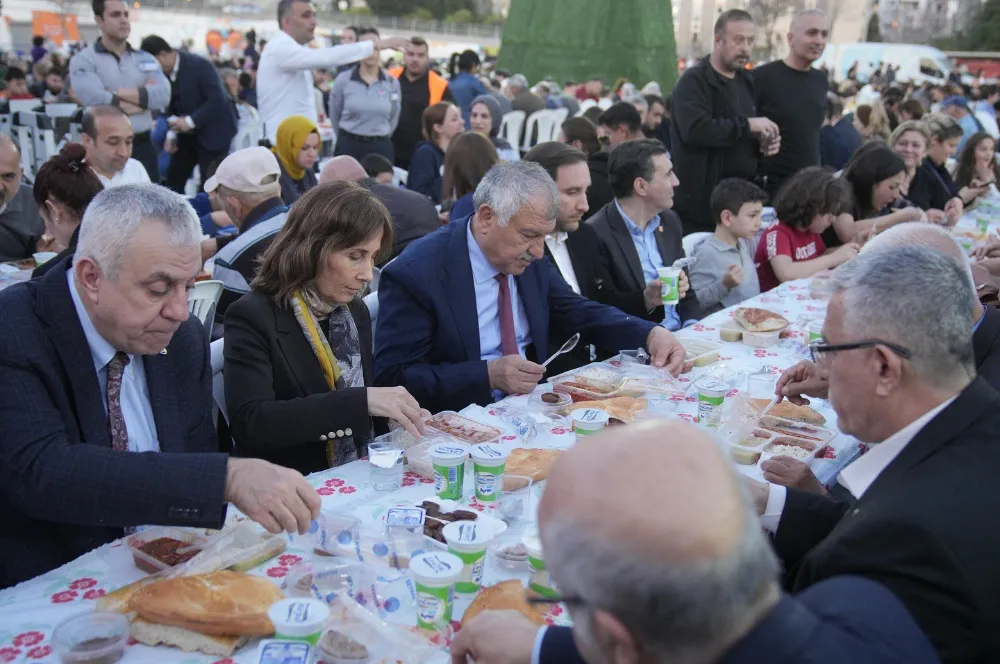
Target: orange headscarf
<point>292,134</point>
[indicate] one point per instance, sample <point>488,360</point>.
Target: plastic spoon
<point>566,347</point>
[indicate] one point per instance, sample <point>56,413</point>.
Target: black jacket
<point>599,194</point>
<point>291,189</point>
<point>986,345</point>
<point>413,215</point>
<point>931,187</point>
<point>924,529</point>
<point>703,127</point>
<point>278,401</point>
<point>620,269</point>
<point>199,93</point>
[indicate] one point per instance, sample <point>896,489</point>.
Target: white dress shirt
<point>861,474</point>
<point>285,80</point>
<point>556,242</point>
<point>134,396</point>
<point>133,173</point>
<point>171,134</point>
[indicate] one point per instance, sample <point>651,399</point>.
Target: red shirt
<point>783,240</point>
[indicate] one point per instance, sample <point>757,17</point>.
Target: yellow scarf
<point>292,134</point>
<point>317,340</point>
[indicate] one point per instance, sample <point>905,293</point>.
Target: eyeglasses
<point>819,351</point>
<point>568,600</point>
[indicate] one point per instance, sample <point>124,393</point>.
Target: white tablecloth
<point>30,611</point>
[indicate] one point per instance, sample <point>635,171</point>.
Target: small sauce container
<point>91,638</point>
<point>588,421</point>
<point>298,619</point>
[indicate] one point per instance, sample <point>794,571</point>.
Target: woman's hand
<point>397,404</point>
<point>954,209</point>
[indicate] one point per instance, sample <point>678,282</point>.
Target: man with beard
<point>793,94</point>
<point>21,227</point>
<point>715,130</point>
<point>419,88</point>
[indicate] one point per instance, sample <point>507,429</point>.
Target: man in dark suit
<point>106,396</point>
<point>638,233</point>
<point>203,115</point>
<point>919,521</point>
<point>697,584</point>
<point>462,310</point>
<point>413,215</point>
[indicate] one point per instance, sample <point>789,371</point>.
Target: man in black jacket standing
<point>714,131</point>
<point>202,115</point>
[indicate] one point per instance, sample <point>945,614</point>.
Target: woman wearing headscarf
<point>485,119</point>
<point>298,355</point>
<point>297,148</point>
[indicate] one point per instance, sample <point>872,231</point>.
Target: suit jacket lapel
<point>461,290</point>
<point>55,307</point>
<point>969,406</point>
<point>529,292</point>
<point>621,234</point>
<point>298,353</point>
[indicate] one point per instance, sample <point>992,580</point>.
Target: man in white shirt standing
<point>284,75</point>
<point>107,137</point>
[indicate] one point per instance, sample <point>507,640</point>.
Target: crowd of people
<point>483,264</point>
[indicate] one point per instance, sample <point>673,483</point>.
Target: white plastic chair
<point>371,301</point>
<point>693,240</point>
<point>545,121</point>
<point>61,110</point>
<point>399,176</point>
<point>218,385</point>
<point>584,105</point>
<point>510,127</point>
<point>605,103</point>
<point>202,301</point>
<point>560,115</point>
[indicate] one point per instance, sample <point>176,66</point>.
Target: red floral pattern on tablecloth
<point>289,559</point>
<point>559,431</point>
<point>28,639</point>
<point>39,652</point>
<point>94,593</point>
<point>277,572</point>
<point>347,489</point>
<point>83,584</point>
<point>64,596</point>
<point>686,417</point>
<point>9,654</point>
<point>335,482</point>
<point>326,491</point>
<point>508,437</point>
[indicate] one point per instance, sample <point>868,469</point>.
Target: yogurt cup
<point>468,540</point>
<point>488,463</point>
<point>540,582</point>
<point>298,619</point>
<point>983,224</point>
<point>711,395</point>
<point>670,280</point>
<point>435,574</point>
<point>448,462</point>
<point>815,331</point>
<point>588,421</point>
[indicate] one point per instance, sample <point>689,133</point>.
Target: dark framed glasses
<point>819,351</point>
<point>568,600</point>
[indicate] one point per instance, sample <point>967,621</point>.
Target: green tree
<point>984,30</point>
<point>359,11</point>
<point>874,32</point>
<point>392,7</point>
<point>420,14</point>
<point>632,38</point>
<point>461,16</point>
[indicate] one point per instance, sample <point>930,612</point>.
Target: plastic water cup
<point>385,466</point>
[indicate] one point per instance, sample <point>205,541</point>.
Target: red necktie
<point>508,336</point>
<point>116,420</point>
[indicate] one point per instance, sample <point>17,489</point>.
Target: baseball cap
<point>249,171</point>
<point>955,100</point>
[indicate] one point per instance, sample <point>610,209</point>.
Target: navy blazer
<point>427,336</point>
<point>63,489</point>
<point>199,92</point>
<point>839,621</point>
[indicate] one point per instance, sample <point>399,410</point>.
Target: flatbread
<point>531,463</point>
<point>504,596</point>
<point>622,408</point>
<point>753,319</point>
<point>790,411</point>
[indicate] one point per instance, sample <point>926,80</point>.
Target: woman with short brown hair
<point>298,349</point>
<point>468,159</point>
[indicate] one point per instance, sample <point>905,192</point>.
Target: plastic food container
<point>468,540</point>
<point>463,428</point>
<point>744,456</point>
<point>808,432</point>
<point>730,332</point>
<point>298,619</point>
<point>151,564</point>
<point>448,461</point>
<point>91,638</point>
<point>540,582</point>
<point>588,421</point>
<point>435,575</point>
<point>701,351</point>
<point>803,450</point>
<point>711,396</point>
<point>488,463</point>
<point>756,439</point>
<point>761,339</point>
<point>338,647</point>
<point>509,553</point>
<point>549,402</point>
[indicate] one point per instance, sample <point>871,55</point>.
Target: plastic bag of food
<point>354,633</point>
<point>239,548</point>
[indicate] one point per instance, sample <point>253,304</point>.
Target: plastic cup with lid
<point>711,396</point>
<point>448,461</point>
<point>670,284</point>
<point>540,582</point>
<point>91,637</point>
<point>435,574</point>
<point>488,463</point>
<point>468,540</point>
<point>588,421</point>
<point>298,619</point>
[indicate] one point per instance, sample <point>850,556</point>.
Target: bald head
<point>668,463</point>
<point>342,169</point>
<point>675,565</point>
<point>805,17</point>
<point>807,37</point>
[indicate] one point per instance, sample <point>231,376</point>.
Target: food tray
<point>757,439</point>
<point>148,563</point>
<point>462,428</point>
<point>582,389</point>
<point>601,372</point>
<point>701,351</point>
<point>809,432</point>
<point>811,448</point>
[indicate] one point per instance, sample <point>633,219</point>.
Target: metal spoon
<point>566,347</point>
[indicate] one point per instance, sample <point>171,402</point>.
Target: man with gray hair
<point>901,369</point>
<point>521,98</point>
<point>466,313</point>
<point>106,396</point>
<point>696,584</point>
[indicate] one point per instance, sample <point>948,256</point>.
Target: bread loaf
<point>506,595</point>
<point>533,463</point>
<point>185,639</point>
